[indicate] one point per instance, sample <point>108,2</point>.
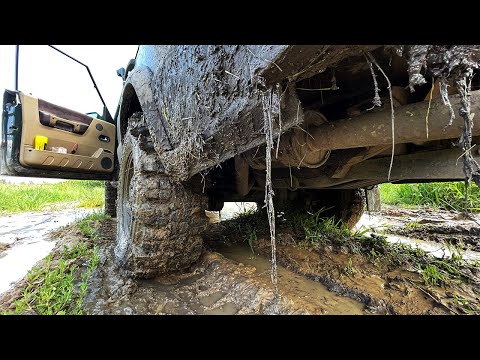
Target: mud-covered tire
<point>158,220</point>
<point>350,206</point>
<point>346,205</point>
<point>111,198</point>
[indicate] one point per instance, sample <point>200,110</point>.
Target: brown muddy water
<point>224,282</point>
<point>293,285</point>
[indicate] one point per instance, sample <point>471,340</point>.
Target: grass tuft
<point>431,275</point>
<point>88,223</point>
<point>51,290</point>
<point>349,269</point>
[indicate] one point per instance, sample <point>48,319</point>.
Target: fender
<point>137,95</point>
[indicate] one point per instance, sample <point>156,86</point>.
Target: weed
<point>250,237</point>
<point>433,276</point>
<point>349,269</point>
<point>467,306</point>
<point>321,232</point>
<point>49,290</point>
<point>87,224</point>
<point>412,225</point>
<point>82,287</point>
<point>318,230</point>
<point>245,224</point>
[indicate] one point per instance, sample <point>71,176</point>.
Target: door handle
<point>62,124</point>
<point>104,138</point>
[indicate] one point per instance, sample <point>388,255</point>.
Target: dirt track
<point>229,279</point>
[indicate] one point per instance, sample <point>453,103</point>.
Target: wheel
<point>351,206</point>
<point>111,198</point>
<point>158,220</point>
<point>346,205</point>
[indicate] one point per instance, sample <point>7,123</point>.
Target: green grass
<point>440,272</point>
<point>50,288</point>
<point>245,224</point>
<point>316,231</point>
<point>447,195</point>
<point>466,305</point>
<point>87,224</point>
<point>250,237</point>
<point>432,275</point>
<point>27,197</point>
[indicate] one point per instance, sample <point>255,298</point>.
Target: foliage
<point>28,197</point>
<point>446,195</point>
<point>51,290</point>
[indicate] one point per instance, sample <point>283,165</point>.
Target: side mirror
<point>94,115</point>
<point>105,117</point>
<point>121,73</point>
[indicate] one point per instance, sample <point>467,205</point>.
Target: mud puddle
<point>226,281</point>
<point>399,229</point>
<point>291,284</point>
<point>24,240</point>
<point>229,279</point>
<point>382,287</point>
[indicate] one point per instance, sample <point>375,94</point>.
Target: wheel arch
<point>138,95</point>
<point>130,105</point>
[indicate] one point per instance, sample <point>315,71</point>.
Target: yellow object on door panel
<point>41,142</point>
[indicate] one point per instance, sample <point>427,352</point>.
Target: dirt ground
<point>231,279</point>
<point>24,240</point>
<point>231,282</point>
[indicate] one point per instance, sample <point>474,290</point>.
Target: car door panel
<point>57,140</point>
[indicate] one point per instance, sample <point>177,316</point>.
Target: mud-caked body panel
<point>205,104</point>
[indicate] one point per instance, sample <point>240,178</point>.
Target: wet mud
<point>228,281</point>
<point>382,288</point>
<point>437,226</point>
<point>233,278</point>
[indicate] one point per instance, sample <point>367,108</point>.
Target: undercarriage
<point>362,126</point>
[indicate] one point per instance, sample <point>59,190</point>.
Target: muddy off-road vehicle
<point>193,125</point>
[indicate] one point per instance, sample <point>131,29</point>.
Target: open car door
<point>41,139</point>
